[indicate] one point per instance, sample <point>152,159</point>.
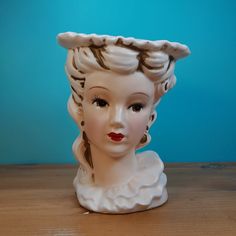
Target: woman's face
<point>116,110</point>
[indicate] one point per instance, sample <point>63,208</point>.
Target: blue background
<point>196,119</point>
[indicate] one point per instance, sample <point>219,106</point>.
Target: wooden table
<point>40,200</point>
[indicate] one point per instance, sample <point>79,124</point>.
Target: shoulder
<point>149,159</point>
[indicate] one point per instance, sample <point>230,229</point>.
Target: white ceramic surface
<point>116,84</point>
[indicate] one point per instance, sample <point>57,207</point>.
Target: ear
<point>75,111</point>
<point>152,118</point>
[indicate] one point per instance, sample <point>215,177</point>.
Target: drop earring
<point>145,137</point>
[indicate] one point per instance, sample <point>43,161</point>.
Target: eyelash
<point>136,107</point>
<point>99,102</point>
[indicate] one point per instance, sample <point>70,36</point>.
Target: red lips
<point>116,137</point>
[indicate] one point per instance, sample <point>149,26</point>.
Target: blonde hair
<point>157,66</point>
<point>89,53</point>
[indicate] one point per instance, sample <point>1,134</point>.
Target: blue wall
<point>196,119</point>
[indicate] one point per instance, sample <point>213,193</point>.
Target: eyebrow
<point>98,87</point>
<point>138,93</point>
<point>133,94</point>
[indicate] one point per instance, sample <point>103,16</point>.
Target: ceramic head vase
<point>116,84</point>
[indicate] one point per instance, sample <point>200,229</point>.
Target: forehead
<point>120,83</point>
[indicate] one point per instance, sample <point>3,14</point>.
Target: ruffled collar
<point>146,189</point>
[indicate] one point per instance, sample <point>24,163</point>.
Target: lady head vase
<point>116,84</point>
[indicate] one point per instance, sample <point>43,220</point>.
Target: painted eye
<point>137,107</point>
<point>100,102</point>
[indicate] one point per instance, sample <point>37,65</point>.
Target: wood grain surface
<point>40,200</point>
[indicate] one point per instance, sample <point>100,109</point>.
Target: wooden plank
<point>40,200</point>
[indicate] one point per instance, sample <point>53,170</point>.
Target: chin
<point>119,152</point>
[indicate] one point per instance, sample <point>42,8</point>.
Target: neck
<point>110,170</point>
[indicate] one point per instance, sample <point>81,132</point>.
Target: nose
<point>117,117</point>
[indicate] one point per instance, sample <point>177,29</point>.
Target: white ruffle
<point>145,190</point>
<point>73,40</point>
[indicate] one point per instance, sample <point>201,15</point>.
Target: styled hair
<point>89,53</point>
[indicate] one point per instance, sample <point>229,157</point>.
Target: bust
<point>116,84</point>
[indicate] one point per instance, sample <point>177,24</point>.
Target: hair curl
<point>88,53</point>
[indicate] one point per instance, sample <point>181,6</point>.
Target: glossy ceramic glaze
<point>116,84</point>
